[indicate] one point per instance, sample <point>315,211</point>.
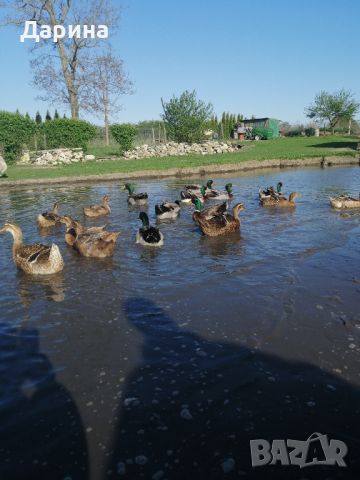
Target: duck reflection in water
<point>41,433</point>
<point>192,407</point>
<point>32,288</point>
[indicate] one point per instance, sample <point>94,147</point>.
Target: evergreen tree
<point>27,116</point>
<point>38,118</point>
<point>56,115</point>
<point>48,116</point>
<point>65,116</point>
<point>17,112</point>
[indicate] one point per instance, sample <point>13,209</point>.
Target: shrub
<point>186,117</point>
<point>295,132</point>
<point>15,131</point>
<point>67,133</point>
<point>124,134</point>
<point>310,131</point>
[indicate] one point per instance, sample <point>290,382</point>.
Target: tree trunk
<point>69,79</point>
<point>349,127</point>
<point>106,119</point>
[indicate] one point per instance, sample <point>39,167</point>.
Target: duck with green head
<point>217,195</point>
<point>140,199</point>
<point>188,196</point>
<point>148,235</point>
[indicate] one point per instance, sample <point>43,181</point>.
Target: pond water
<point>164,363</point>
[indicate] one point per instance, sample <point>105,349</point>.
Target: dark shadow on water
<point>194,404</point>
<point>41,433</point>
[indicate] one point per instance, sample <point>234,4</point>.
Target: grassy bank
<point>282,148</point>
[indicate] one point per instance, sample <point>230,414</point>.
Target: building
<point>268,123</point>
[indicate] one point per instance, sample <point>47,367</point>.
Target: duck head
<point>196,201</point>
<point>106,199</point>
<point>145,219</point>
<point>237,209</point>
<point>228,188</point>
<point>14,230</point>
<point>209,184</point>
<point>279,187</point>
<point>130,188</point>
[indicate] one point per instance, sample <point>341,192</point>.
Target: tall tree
<point>333,107</point>
<point>56,115</point>
<point>105,81</point>
<point>56,65</point>
<point>48,116</point>
<point>38,118</point>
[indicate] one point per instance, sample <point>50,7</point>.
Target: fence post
<point>153,134</point>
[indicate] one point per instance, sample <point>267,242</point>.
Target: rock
<point>3,166</point>
<point>59,156</point>
<point>89,157</point>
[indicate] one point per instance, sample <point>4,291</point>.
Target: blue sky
<point>262,58</point>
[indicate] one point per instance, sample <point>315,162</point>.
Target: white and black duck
<point>148,235</point>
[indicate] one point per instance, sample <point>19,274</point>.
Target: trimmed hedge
<point>124,134</point>
<point>15,131</point>
<point>68,133</point>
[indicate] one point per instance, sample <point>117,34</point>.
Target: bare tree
<point>104,81</point>
<point>56,64</point>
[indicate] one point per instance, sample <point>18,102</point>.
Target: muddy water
<point>164,364</point>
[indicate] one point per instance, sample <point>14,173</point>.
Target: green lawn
<point>282,148</point>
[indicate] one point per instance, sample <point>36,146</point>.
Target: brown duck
<point>221,224</point>
<point>74,228</point>
<point>98,245</point>
<point>98,210</point>
<point>49,219</point>
<point>36,259</point>
<point>271,201</point>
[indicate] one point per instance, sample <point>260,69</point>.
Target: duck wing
<point>165,207</point>
<point>214,211</point>
<point>34,253</point>
<point>140,196</point>
<point>150,235</point>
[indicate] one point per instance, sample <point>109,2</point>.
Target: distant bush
<point>310,131</point>
<point>15,131</point>
<point>295,132</point>
<point>124,134</point>
<point>67,133</point>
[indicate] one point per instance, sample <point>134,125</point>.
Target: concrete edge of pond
<point>191,171</point>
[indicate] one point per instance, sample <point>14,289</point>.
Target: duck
<point>148,235</point>
<point>208,213</point>
<point>140,199</point>
<point>99,244</point>
<point>49,219</point>
<point>188,196</point>
<point>217,195</point>
<point>345,202</point>
<point>279,201</point>
<point>270,191</point>
<point>221,224</point>
<point>101,210</point>
<point>196,189</point>
<point>36,259</point>
<point>74,228</point>
<point>167,210</point>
